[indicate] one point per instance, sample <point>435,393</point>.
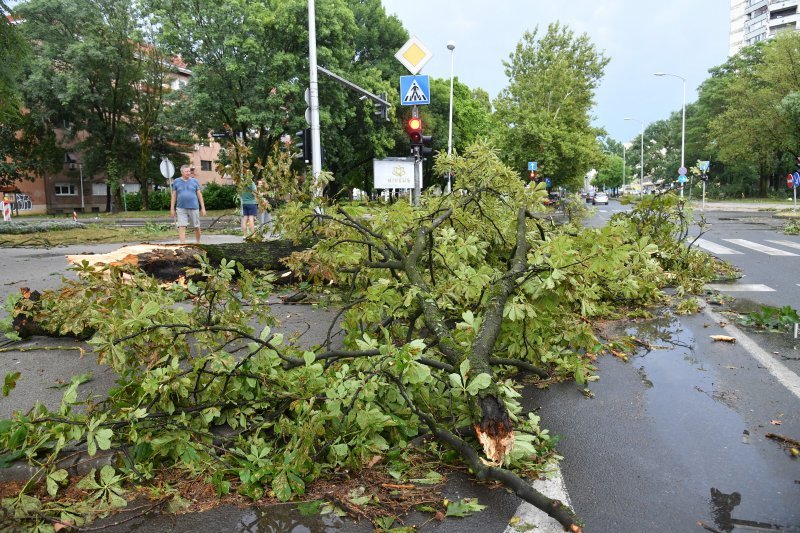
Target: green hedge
<point>215,197</point>
<point>21,228</point>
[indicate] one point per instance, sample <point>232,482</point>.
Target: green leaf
<point>309,358</point>
<point>478,383</point>
<point>53,480</point>
<point>455,381</point>
<point>311,508</point>
<point>103,438</point>
<point>280,486</point>
<point>88,481</point>
<point>464,368</point>
<point>10,382</point>
<point>464,507</point>
<point>431,478</point>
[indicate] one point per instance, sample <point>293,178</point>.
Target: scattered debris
<point>723,338</point>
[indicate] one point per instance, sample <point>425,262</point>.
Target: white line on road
<point>786,377</point>
<point>790,244</point>
<point>743,287</point>
<point>533,519</point>
<point>760,247</point>
<point>715,248</point>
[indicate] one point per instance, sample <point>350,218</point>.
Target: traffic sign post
<point>167,170</point>
<point>682,178</point>
<point>533,166</point>
<point>793,182</point>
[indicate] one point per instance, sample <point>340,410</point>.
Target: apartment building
<point>755,20</point>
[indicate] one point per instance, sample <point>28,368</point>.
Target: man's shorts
<point>187,215</point>
<point>249,210</point>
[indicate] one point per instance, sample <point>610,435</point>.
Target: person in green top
<point>249,208</point>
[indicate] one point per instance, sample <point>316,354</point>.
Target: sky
<point>683,37</point>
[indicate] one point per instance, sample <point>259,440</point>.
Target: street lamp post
<point>625,147</point>
<point>641,160</point>
<point>450,46</point>
<point>683,122</point>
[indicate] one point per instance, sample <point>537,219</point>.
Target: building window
<point>65,189</point>
<point>205,165</point>
<point>99,189</point>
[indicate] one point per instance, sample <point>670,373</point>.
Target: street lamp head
<point>451,45</point>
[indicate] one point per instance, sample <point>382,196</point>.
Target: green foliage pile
<point>295,413</point>
<point>25,227</point>
<point>792,227</point>
<point>771,318</point>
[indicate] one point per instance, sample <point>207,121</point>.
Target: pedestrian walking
<point>249,208</point>
<point>187,203</point>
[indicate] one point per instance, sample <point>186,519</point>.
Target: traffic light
<point>382,110</point>
<point>414,129</point>
<point>303,145</point>
<point>427,145</point>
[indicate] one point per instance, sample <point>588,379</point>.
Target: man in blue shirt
<point>186,192</point>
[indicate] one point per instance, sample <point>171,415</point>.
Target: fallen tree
<point>446,309</point>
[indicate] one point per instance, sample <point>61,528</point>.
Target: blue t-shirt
<point>186,193</point>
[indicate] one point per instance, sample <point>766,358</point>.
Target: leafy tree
<point>544,114</point>
<point>609,175</point>
<point>472,119</point>
<point>13,55</point>
<point>250,71</point>
<point>753,95</point>
<point>86,72</point>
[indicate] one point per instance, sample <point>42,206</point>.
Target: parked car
<point>600,198</point>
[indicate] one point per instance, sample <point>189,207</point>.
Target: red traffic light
<point>414,129</point>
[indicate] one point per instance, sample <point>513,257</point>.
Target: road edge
<point>779,371</point>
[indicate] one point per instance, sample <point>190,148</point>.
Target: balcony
<point>777,5</point>
<point>783,21</point>
<point>755,6</point>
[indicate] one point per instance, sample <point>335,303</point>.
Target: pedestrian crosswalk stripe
<point>740,287</point>
<point>790,244</point>
<point>715,248</point>
<point>760,247</point>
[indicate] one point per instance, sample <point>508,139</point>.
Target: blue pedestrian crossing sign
<point>415,90</point>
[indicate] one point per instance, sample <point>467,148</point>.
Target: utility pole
<point>316,153</point>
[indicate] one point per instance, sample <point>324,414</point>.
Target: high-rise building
<point>756,20</point>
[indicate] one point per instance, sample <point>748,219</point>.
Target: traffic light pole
<point>417,163</point>
<point>316,152</point>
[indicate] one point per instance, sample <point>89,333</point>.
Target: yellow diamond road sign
<point>413,55</point>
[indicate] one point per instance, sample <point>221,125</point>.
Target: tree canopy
<point>544,113</point>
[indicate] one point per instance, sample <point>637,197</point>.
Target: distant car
<point>590,197</point>
<point>600,198</point>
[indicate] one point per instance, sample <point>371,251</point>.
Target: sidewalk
<point>744,207</point>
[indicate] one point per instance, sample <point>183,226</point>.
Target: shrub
<point>218,196</point>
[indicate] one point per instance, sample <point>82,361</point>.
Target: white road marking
<point>743,287</point>
<point>534,519</point>
<point>786,377</point>
<point>715,248</point>
<point>790,244</point>
<point>760,247</point>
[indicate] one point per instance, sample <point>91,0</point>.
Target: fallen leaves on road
<point>775,422</point>
<point>723,338</point>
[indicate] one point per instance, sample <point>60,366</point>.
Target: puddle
<point>700,413</point>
